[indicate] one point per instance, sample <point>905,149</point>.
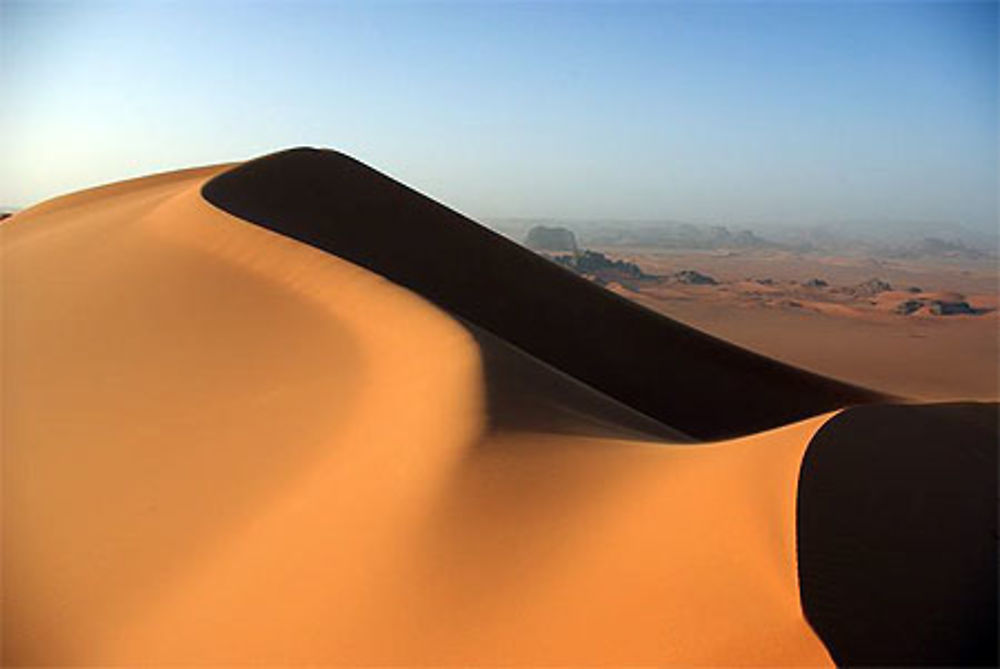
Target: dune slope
<point>221,445</point>
<point>683,378</point>
<point>224,446</point>
<point>897,534</point>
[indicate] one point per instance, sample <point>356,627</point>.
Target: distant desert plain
<point>916,325</point>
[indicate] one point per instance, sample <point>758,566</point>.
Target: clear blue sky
<point>728,113</point>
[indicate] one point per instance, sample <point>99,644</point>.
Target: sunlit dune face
<point>170,373</point>
<point>223,446</point>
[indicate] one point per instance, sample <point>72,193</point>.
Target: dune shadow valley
<point>292,411</point>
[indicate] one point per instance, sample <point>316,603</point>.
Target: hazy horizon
<point>730,114</point>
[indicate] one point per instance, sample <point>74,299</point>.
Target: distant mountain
<point>552,240</point>
<point>663,234</point>
<point>932,247</point>
<point>673,235</point>
<point>891,239</point>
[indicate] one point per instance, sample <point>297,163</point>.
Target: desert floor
<point>831,329</point>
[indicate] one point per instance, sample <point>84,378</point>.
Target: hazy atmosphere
<point>735,114</point>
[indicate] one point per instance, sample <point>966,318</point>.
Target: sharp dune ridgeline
<point>660,367</point>
<point>291,411</point>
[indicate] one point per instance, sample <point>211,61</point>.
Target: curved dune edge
<point>685,379</point>
<point>896,534</point>
<point>173,370</point>
<point>219,449</point>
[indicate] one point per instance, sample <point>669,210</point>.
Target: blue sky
<point>732,113</point>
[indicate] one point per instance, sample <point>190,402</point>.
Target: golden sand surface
<point>223,446</point>
<point>859,340</point>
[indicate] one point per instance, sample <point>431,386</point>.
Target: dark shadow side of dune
<point>896,533</point>
<point>683,378</point>
<point>523,394</point>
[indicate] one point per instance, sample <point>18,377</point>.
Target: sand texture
<point>223,445</point>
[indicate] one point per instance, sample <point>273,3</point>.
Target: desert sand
<point>861,340</point>
<point>664,369</point>
<point>225,446</point>
<point>243,469</point>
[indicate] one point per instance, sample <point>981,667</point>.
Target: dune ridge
<point>225,446</point>
<point>664,369</point>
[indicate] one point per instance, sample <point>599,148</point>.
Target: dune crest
<point>238,361</point>
<point>222,445</point>
<point>245,468</point>
<point>668,371</point>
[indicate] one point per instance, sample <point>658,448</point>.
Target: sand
<point>660,367</point>
<point>919,357</point>
<point>218,447</point>
<point>896,532</point>
<point>293,412</point>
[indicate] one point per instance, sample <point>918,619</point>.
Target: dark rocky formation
<point>908,307</point>
<point>938,307</point>
<point>592,262</point>
<point>816,283</point>
<point>600,266</point>
<point>542,238</point>
<point>945,308</point>
<point>693,278</point>
<point>871,287</point>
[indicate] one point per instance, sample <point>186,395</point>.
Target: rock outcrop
<point>694,278</point>
<point>908,307</point>
<point>551,240</point>
<point>945,308</point>
<point>871,287</point>
<point>596,264</point>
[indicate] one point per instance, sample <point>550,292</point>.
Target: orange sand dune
<point>217,448</point>
<point>225,446</point>
<point>668,371</point>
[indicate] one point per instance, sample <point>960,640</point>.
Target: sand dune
<point>335,203</point>
<point>225,446</point>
